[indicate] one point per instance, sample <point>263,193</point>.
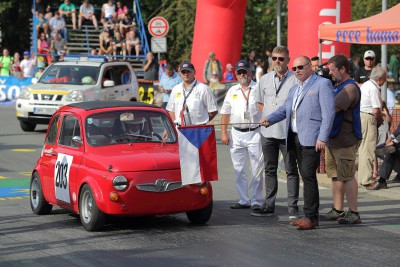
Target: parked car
<point>74,80</point>
<point>114,158</point>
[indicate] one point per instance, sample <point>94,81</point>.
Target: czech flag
<point>198,154</point>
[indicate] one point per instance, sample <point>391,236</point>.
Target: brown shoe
<point>377,185</point>
<point>307,224</point>
<point>297,222</point>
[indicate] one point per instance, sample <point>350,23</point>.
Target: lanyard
<point>184,92</point>
<point>281,84</point>
<point>246,97</point>
<point>299,90</point>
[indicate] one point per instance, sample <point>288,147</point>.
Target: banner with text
<point>10,88</point>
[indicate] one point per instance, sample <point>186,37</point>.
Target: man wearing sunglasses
<point>240,109</point>
<point>362,74</point>
<point>272,92</point>
<point>309,112</point>
<point>191,102</point>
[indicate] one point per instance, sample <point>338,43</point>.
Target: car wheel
<point>200,216</point>
<point>39,204</point>
<point>27,126</point>
<point>92,217</point>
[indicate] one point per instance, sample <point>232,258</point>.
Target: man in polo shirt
<point>272,91</point>
<point>168,80</point>
<point>191,102</point>
<point>362,74</point>
<point>240,110</point>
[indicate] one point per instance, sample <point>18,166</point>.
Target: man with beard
<point>272,92</point>
<point>191,102</point>
<point>240,110</point>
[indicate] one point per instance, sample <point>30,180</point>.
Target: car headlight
<point>24,94</point>
<point>120,183</point>
<point>74,96</point>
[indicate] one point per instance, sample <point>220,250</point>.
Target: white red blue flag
<point>198,154</point>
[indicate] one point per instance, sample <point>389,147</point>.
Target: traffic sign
<point>159,44</point>
<point>158,27</point>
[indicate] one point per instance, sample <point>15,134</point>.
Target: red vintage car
<point>114,158</point>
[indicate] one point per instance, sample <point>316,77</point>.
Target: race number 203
<point>61,177</point>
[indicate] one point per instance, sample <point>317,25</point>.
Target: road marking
<point>26,173</point>
<point>23,150</point>
<point>2,177</point>
<point>12,198</point>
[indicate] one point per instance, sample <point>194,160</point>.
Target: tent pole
<point>320,52</point>
<point>384,58</point>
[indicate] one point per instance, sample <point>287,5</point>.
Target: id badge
<point>246,115</point>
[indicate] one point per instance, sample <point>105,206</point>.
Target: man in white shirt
<point>191,102</point>
<point>371,119</point>
<point>240,109</point>
<point>28,65</point>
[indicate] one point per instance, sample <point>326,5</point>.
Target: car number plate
<point>44,111</point>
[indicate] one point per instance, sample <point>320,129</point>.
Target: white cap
<point>369,53</point>
<point>229,66</point>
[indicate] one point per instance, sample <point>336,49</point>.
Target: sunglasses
<point>281,59</point>
<point>300,67</point>
<point>240,72</point>
<point>186,71</point>
<point>369,58</point>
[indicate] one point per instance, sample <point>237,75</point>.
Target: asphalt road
<point>231,238</point>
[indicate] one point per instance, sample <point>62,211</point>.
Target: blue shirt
<point>168,83</point>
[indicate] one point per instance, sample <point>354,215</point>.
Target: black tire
<point>27,126</point>
<point>39,205</point>
<point>200,216</point>
<point>92,217</point>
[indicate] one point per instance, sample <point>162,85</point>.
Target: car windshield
<point>64,74</point>
<point>129,126</point>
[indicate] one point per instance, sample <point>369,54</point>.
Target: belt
<point>246,129</point>
<point>368,113</point>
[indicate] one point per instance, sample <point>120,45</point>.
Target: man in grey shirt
<point>272,91</point>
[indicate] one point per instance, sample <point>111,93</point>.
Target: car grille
<point>161,185</point>
<point>47,97</point>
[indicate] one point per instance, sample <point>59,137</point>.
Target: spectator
<point>168,80</point>
<point>48,14</point>
<point>272,92</point>
<point>44,47</point>
<point>150,67</point>
<point>394,65</point>
<point>108,9</point>
<point>252,61</point>
<point>244,140</point>
<point>93,51</point>
<point>15,71</point>
<point>122,11</point>
<point>86,15</point>
<point>68,12</point>
<point>40,8</point>
<point>17,61</point>
<point>371,119</point>
<point>57,24</point>
<point>28,65</point>
<point>228,74</point>
<point>5,63</point>
<point>259,70</point>
<point>126,24</point>
<point>354,64</point>
<point>58,46</point>
<point>42,25</point>
<point>106,44</point>
<point>315,63</point>
<point>40,72</point>
<point>309,112</point>
<point>211,65</point>
<point>111,25</point>
<point>343,143</point>
<point>119,46</point>
<point>362,74</point>
<point>132,41</point>
<point>267,67</point>
<point>191,102</point>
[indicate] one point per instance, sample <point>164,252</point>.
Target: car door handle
<point>116,91</point>
<point>127,89</point>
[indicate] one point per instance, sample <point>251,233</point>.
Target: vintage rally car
<point>114,158</point>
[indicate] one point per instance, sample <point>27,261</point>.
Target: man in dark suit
<point>390,162</point>
<point>309,112</point>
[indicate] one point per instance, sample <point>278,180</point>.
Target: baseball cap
<point>186,66</point>
<point>229,66</point>
<point>369,53</point>
<point>26,53</point>
<point>242,65</point>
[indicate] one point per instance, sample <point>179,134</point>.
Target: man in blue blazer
<point>309,112</point>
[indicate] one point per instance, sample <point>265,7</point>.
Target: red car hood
<point>126,158</point>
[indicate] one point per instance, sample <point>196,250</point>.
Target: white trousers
<point>244,145</point>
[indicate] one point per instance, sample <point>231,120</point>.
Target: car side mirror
<point>108,83</point>
<point>77,141</point>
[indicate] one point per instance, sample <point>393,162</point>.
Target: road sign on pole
<point>159,44</point>
<point>158,27</point>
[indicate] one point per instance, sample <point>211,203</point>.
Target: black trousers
<point>390,162</point>
<point>308,161</point>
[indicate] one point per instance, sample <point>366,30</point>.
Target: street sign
<point>158,27</point>
<point>159,44</point>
